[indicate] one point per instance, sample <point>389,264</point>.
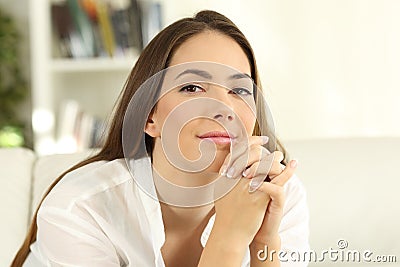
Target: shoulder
<point>296,208</point>
<point>294,228</point>
<point>87,181</point>
<point>294,188</point>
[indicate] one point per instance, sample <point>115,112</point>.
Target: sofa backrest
<point>24,178</point>
<point>15,193</point>
<point>353,192</point>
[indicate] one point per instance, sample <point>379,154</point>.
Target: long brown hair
<point>154,58</point>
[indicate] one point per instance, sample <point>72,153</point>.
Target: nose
<point>223,110</point>
<point>224,113</point>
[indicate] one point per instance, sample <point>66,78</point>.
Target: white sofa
<point>353,190</point>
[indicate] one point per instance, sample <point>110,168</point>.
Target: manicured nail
<point>223,170</point>
<point>253,185</point>
<point>230,172</point>
<point>293,163</point>
<point>246,172</point>
<point>264,139</point>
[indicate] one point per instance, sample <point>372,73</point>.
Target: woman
<point>95,214</point>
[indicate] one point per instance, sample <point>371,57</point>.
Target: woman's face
<point>201,111</point>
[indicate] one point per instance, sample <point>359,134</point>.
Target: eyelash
<point>235,91</point>
<point>190,86</point>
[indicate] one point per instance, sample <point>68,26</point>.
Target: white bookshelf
<point>62,65</point>
<point>94,83</point>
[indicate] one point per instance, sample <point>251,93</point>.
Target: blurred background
<point>330,68</point>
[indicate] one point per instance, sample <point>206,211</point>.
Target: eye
<point>240,91</point>
<point>191,88</point>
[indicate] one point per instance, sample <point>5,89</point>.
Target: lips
<point>218,137</point>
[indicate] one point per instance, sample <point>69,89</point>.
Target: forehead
<point>215,47</point>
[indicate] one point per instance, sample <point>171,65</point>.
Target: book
<point>84,29</point>
<point>66,128</point>
<point>63,28</point>
<point>119,12</point>
<point>151,20</point>
<point>135,20</point>
<point>99,28</point>
<point>90,8</point>
<point>106,30</point>
<point>98,130</point>
<point>77,130</point>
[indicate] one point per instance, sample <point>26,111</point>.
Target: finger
<point>268,165</point>
<point>255,154</point>
<point>276,169</point>
<point>255,169</point>
<point>275,192</point>
<point>246,155</point>
<point>239,148</point>
<point>258,168</point>
<point>256,182</point>
<point>286,174</point>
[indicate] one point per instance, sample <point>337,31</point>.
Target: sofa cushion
<point>15,185</point>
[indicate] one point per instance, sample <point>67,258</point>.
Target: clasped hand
<point>253,209</point>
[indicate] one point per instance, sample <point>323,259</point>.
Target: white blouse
<point>98,216</point>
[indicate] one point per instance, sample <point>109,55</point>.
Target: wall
<point>330,67</point>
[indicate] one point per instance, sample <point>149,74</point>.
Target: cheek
<point>249,122</point>
<point>247,117</point>
<point>189,145</point>
<point>173,119</point>
<point>164,109</point>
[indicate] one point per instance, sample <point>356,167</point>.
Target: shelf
<point>91,65</point>
<point>94,83</point>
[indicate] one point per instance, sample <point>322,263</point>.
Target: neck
<point>186,220</point>
<point>186,198</point>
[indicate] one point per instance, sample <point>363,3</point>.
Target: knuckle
<point>289,171</point>
<point>275,171</point>
<point>278,156</point>
<point>255,153</point>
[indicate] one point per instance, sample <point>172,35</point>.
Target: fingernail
<point>230,172</point>
<point>223,170</point>
<point>246,172</point>
<point>253,185</point>
<point>264,139</point>
<point>293,163</point>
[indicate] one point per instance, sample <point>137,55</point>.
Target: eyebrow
<point>207,75</point>
<point>200,73</point>
<point>239,76</point>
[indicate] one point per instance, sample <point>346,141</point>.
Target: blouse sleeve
<point>67,240</point>
<point>294,229</point>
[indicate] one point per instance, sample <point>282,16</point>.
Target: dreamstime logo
<point>342,244</point>
<point>341,254</point>
<point>188,99</point>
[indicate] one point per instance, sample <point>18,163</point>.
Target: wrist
<point>231,240</point>
<point>222,248</point>
<point>231,234</point>
<point>271,243</point>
